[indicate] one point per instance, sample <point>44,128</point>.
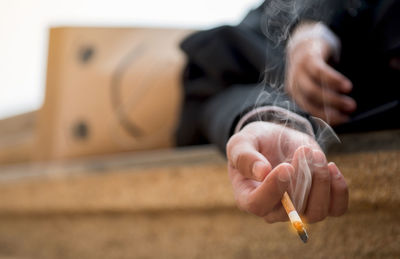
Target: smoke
<point>279,19</point>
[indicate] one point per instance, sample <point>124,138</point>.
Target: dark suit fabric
<point>224,75</point>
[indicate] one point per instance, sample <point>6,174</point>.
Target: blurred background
<point>90,93</point>
<point>24,30</point>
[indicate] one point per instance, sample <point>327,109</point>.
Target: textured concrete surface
<point>196,234</point>
<point>178,204</point>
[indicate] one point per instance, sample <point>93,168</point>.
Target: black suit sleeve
<point>223,81</point>
<point>225,68</point>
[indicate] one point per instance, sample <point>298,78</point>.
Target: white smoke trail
<point>279,19</point>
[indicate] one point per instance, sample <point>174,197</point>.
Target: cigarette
<point>294,217</point>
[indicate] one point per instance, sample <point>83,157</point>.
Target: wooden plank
<point>18,123</point>
<point>17,138</point>
<point>110,90</point>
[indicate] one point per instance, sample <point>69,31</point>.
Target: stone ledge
<point>188,179</point>
<point>179,204</point>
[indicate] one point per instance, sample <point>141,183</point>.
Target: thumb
<point>268,194</point>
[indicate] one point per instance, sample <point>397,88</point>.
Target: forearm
<point>277,115</point>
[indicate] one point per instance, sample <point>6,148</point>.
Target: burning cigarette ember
<point>294,217</point>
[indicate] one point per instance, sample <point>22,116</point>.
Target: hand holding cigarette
<point>265,160</point>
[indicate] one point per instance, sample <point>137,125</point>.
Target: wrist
<point>276,115</point>
<point>319,35</point>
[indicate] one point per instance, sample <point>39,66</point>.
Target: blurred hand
<point>311,81</point>
<point>267,159</point>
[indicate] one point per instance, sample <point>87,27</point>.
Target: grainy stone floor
<point>181,206</point>
<point>211,234</point>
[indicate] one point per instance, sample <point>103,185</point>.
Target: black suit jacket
<point>224,76</point>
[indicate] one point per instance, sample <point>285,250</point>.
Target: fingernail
<point>258,170</point>
<point>319,158</point>
<point>336,172</point>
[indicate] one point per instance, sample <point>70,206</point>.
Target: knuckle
<point>254,208</point>
<point>320,70</point>
<point>311,92</point>
<point>234,140</point>
<point>333,77</point>
<point>308,90</point>
<point>317,215</point>
<point>305,149</point>
<point>308,93</point>
<point>316,67</point>
<point>322,176</point>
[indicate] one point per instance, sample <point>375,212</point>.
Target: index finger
<point>327,76</point>
<point>242,152</point>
